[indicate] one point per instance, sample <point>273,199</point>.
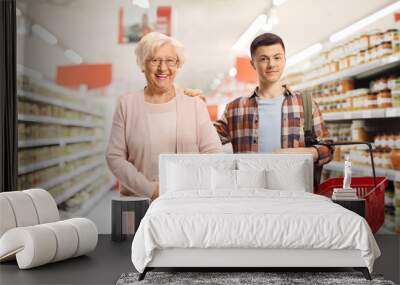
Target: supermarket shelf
<point>57,121</point>
<point>88,205</point>
<point>55,141</point>
<point>43,164</point>
<point>75,189</point>
<point>360,71</point>
<point>364,170</point>
<point>362,114</point>
<point>72,174</point>
<point>56,102</point>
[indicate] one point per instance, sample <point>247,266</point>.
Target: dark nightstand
<point>126,214</point>
<point>357,206</point>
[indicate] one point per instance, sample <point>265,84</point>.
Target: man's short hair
<point>266,39</point>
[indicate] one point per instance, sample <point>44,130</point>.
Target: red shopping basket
<point>372,189</point>
<point>374,196</point>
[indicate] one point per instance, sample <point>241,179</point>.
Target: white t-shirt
<point>269,126</point>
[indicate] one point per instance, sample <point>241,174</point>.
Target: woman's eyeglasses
<point>170,62</point>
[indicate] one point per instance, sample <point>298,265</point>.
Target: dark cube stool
<point>356,205</point>
<point>126,214</point>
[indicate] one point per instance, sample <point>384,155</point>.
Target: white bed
<point>203,220</point>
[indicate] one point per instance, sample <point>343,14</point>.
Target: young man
<point>271,119</point>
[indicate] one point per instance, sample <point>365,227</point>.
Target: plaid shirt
<point>239,125</point>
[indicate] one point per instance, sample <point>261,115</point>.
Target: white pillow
<point>182,177</point>
<point>251,178</point>
<point>223,179</point>
<point>281,174</point>
<point>278,180</point>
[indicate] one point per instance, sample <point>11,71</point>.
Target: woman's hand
<point>155,194</point>
<point>194,93</point>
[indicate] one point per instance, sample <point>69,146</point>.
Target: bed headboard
<point>231,161</point>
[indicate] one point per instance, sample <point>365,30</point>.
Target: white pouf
<point>31,233</point>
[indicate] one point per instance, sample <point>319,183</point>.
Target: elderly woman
<point>159,119</point>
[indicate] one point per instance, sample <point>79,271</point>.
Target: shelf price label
<point>347,115</point>
<point>367,114</point>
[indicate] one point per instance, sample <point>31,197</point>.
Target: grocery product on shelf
<point>46,110</point>
<point>31,131</point>
<point>339,96</point>
<point>53,174</point>
<point>78,201</point>
<point>60,139</point>
<point>35,155</point>
<point>363,49</point>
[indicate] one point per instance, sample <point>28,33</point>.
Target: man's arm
<point>322,154</point>
<point>325,153</point>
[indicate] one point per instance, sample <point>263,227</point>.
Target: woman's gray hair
<point>152,41</point>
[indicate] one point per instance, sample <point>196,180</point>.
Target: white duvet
<point>250,219</point>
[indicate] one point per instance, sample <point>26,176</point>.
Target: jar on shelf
<point>376,39</point>
<point>363,42</point>
<point>391,82</point>
<point>353,60</point>
<point>395,98</point>
<point>391,142</point>
<point>371,101</point>
<point>385,49</point>
<point>368,54</point>
<point>396,43</point>
<point>362,56</point>
<point>358,102</point>
<point>344,63</point>
<point>358,132</point>
<point>384,99</point>
<point>333,67</point>
<point>346,84</point>
<point>378,142</point>
<point>395,153</point>
<point>390,35</point>
<point>386,161</point>
<point>373,53</point>
<point>385,143</point>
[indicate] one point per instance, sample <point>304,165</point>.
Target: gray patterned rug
<point>242,278</point>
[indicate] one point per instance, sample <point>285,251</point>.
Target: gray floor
<point>103,266</point>
<point>110,259</point>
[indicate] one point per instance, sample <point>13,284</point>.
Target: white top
<point>269,127</point>
<point>162,124</point>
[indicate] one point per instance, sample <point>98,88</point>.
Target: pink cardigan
<point>128,153</point>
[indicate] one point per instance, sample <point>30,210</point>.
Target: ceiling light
<point>232,72</point>
<point>141,3</point>
<point>250,33</point>
<point>73,56</point>
<point>273,17</point>
<point>44,34</point>
<point>304,54</point>
<point>364,22</point>
<point>278,2</point>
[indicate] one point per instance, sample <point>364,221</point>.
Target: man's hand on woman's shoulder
<point>194,93</point>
